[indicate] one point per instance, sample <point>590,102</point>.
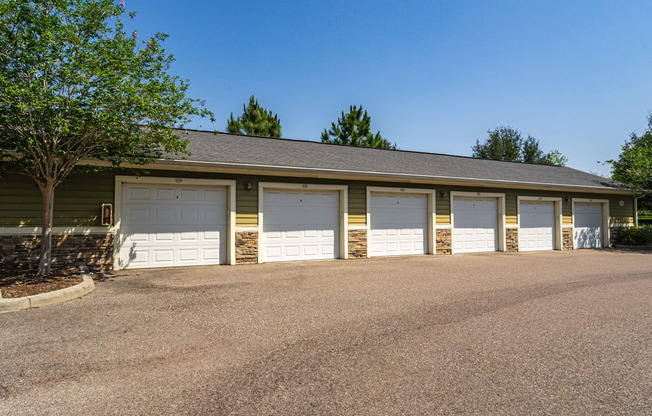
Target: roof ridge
<point>286,139</point>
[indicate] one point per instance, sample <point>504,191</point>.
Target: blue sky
<point>434,75</point>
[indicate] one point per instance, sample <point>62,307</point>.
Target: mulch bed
<point>19,283</point>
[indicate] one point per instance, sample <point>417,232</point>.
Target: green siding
<point>79,199</point>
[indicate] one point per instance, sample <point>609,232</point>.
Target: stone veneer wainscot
<point>567,238</point>
<point>246,247</point>
<point>357,244</point>
<point>511,239</point>
<point>443,241</point>
<point>92,250</point>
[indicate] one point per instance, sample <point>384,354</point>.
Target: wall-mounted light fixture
<point>107,214</point>
<point>442,193</point>
<point>566,199</point>
<point>248,186</point>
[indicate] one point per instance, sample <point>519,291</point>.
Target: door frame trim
<point>557,214</point>
<point>606,230</point>
<point>343,191</point>
<point>230,208</point>
<point>500,197</point>
<point>430,210</point>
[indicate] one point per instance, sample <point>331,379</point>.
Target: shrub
<point>635,236</point>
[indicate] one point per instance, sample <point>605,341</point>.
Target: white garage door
<point>475,227</point>
<point>399,224</point>
<point>537,226</point>
<point>588,225</point>
<point>300,225</point>
<point>163,225</point>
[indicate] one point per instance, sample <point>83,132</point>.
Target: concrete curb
<point>50,298</point>
<point>643,248</point>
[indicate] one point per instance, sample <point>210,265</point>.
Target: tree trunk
<point>47,194</point>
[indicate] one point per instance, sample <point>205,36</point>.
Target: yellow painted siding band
<point>246,220</point>
<point>443,219</point>
<point>356,219</point>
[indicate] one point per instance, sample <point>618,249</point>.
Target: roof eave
<point>242,168</point>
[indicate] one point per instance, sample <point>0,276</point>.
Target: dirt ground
<point>19,283</point>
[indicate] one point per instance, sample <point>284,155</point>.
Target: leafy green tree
<point>531,151</point>
<point>553,157</point>
<point>255,121</point>
<point>634,164</point>
<point>354,128</point>
<point>508,144</point>
<point>74,85</point>
<point>503,143</point>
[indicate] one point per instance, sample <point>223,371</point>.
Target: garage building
<point>240,199</point>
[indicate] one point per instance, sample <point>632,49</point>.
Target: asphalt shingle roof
<point>222,148</point>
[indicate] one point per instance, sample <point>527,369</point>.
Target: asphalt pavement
<point>496,333</point>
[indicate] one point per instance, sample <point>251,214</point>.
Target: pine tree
<point>255,121</point>
<point>354,129</point>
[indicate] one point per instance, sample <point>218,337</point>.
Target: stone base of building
<point>615,236</point>
<point>443,241</point>
<point>357,244</point>
<point>511,240</point>
<point>567,238</point>
<point>24,251</point>
<point>246,247</point>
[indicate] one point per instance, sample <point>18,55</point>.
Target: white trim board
<point>356,227</point>
<point>431,214</point>
<point>344,210</point>
<point>117,210</point>
<point>58,230</point>
<point>246,228</point>
<point>502,238</point>
<point>559,219</point>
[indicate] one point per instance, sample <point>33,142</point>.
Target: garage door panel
<point>188,236</point>
<point>164,256</point>
<point>311,249</point>
<point>211,235</point>
<point>136,193</point>
<point>160,237</point>
<point>475,227</point>
<point>172,226</point>
<point>311,234</point>
<point>300,225</point>
<point>189,195</point>
<point>188,255</point>
<point>138,256</point>
<point>292,251</point>
<point>398,224</point>
<point>211,254</point>
<point>135,215</point>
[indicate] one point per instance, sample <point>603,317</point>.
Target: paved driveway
<point>535,333</point>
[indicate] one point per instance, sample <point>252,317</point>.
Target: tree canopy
<point>255,121</point>
<point>75,85</point>
<point>354,128</point>
<point>508,144</point>
<point>634,164</point>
